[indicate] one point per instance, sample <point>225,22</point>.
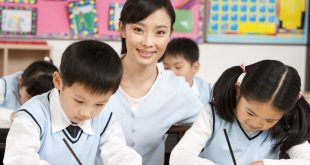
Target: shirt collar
<point>60,120</point>
<point>195,88</point>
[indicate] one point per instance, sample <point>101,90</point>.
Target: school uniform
<point>38,131</point>
<point>146,120</point>
<point>10,99</point>
<point>207,134</point>
<point>202,89</point>
<point>9,91</point>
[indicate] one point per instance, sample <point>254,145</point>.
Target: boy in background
<point>68,124</point>
<point>182,57</point>
<point>17,88</point>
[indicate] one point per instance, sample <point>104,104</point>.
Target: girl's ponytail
<point>293,128</point>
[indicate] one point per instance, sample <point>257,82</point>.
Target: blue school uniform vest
<point>204,90</point>
<point>53,148</point>
<point>246,149</point>
<point>170,101</point>
<point>11,95</point>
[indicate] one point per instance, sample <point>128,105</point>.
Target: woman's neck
<point>138,80</point>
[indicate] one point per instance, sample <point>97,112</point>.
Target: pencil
<point>229,146</point>
<point>72,152</point>
<point>17,97</point>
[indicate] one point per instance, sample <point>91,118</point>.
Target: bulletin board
<point>257,21</point>
<point>69,19</point>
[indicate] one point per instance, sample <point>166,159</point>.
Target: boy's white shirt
<point>195,88</point>
<point>187,150</point>
<point>23,141</point>
<point>60,120</point>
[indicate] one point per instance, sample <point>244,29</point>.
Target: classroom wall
<point>215,58</point>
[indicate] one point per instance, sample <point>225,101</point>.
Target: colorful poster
<point>83,18</point>
<point>20,1</point>
<point>189,19</point>
<point>99,19</point>
<point>257,21</point>
<point>17,21</point>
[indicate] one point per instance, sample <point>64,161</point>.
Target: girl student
<point>264,114</point>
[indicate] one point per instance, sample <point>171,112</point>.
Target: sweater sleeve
<point>187,150</point>
<point>299,154</point>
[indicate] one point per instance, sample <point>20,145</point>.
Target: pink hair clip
<point>243,67</point>
<point>299,95</point>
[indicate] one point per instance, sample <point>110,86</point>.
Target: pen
<point>17,97</point>
<point>229,146</point>
<point>72,152</point>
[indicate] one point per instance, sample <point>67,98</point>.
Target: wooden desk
<point>175,133</point>
<point>4,129</point>
<point>307,96</point>
<point>179,130</point>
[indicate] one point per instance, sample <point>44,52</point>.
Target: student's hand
<point>260,162</point>
<point>12,116</point>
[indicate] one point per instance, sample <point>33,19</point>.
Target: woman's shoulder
<point>168,75</point>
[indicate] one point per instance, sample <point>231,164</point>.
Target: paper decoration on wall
<point>184,21</point>
<point>257,21</point>
<point>83,18</point>
<point>99,19</point>
<point>18,21</point>
<point>20,1</point>
<point>189,19</point>
<point>114,15</point>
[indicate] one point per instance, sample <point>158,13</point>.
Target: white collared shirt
<point>195,88</point>
<point>60,120</point>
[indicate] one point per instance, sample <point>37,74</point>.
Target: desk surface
<point>307,96</point>
<point>179,129</point>
<point>4,125</point>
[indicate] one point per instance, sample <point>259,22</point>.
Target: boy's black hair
<point>136,10</point>
<point>270,82</point>
<point>92,63</point>
<point>184,47</point>
<point>38,77</point>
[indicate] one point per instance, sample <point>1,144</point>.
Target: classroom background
<point>229,32</point>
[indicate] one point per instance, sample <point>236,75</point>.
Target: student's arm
<point>22,144</point>
<point>5,115</point>
<point>2,90</point>
<point>187,150</point>
<point>114,150</point>
<point>299,154</point>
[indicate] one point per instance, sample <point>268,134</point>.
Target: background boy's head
<point>36,79</point>
<point>182,57</point>
<point>90,72</point>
